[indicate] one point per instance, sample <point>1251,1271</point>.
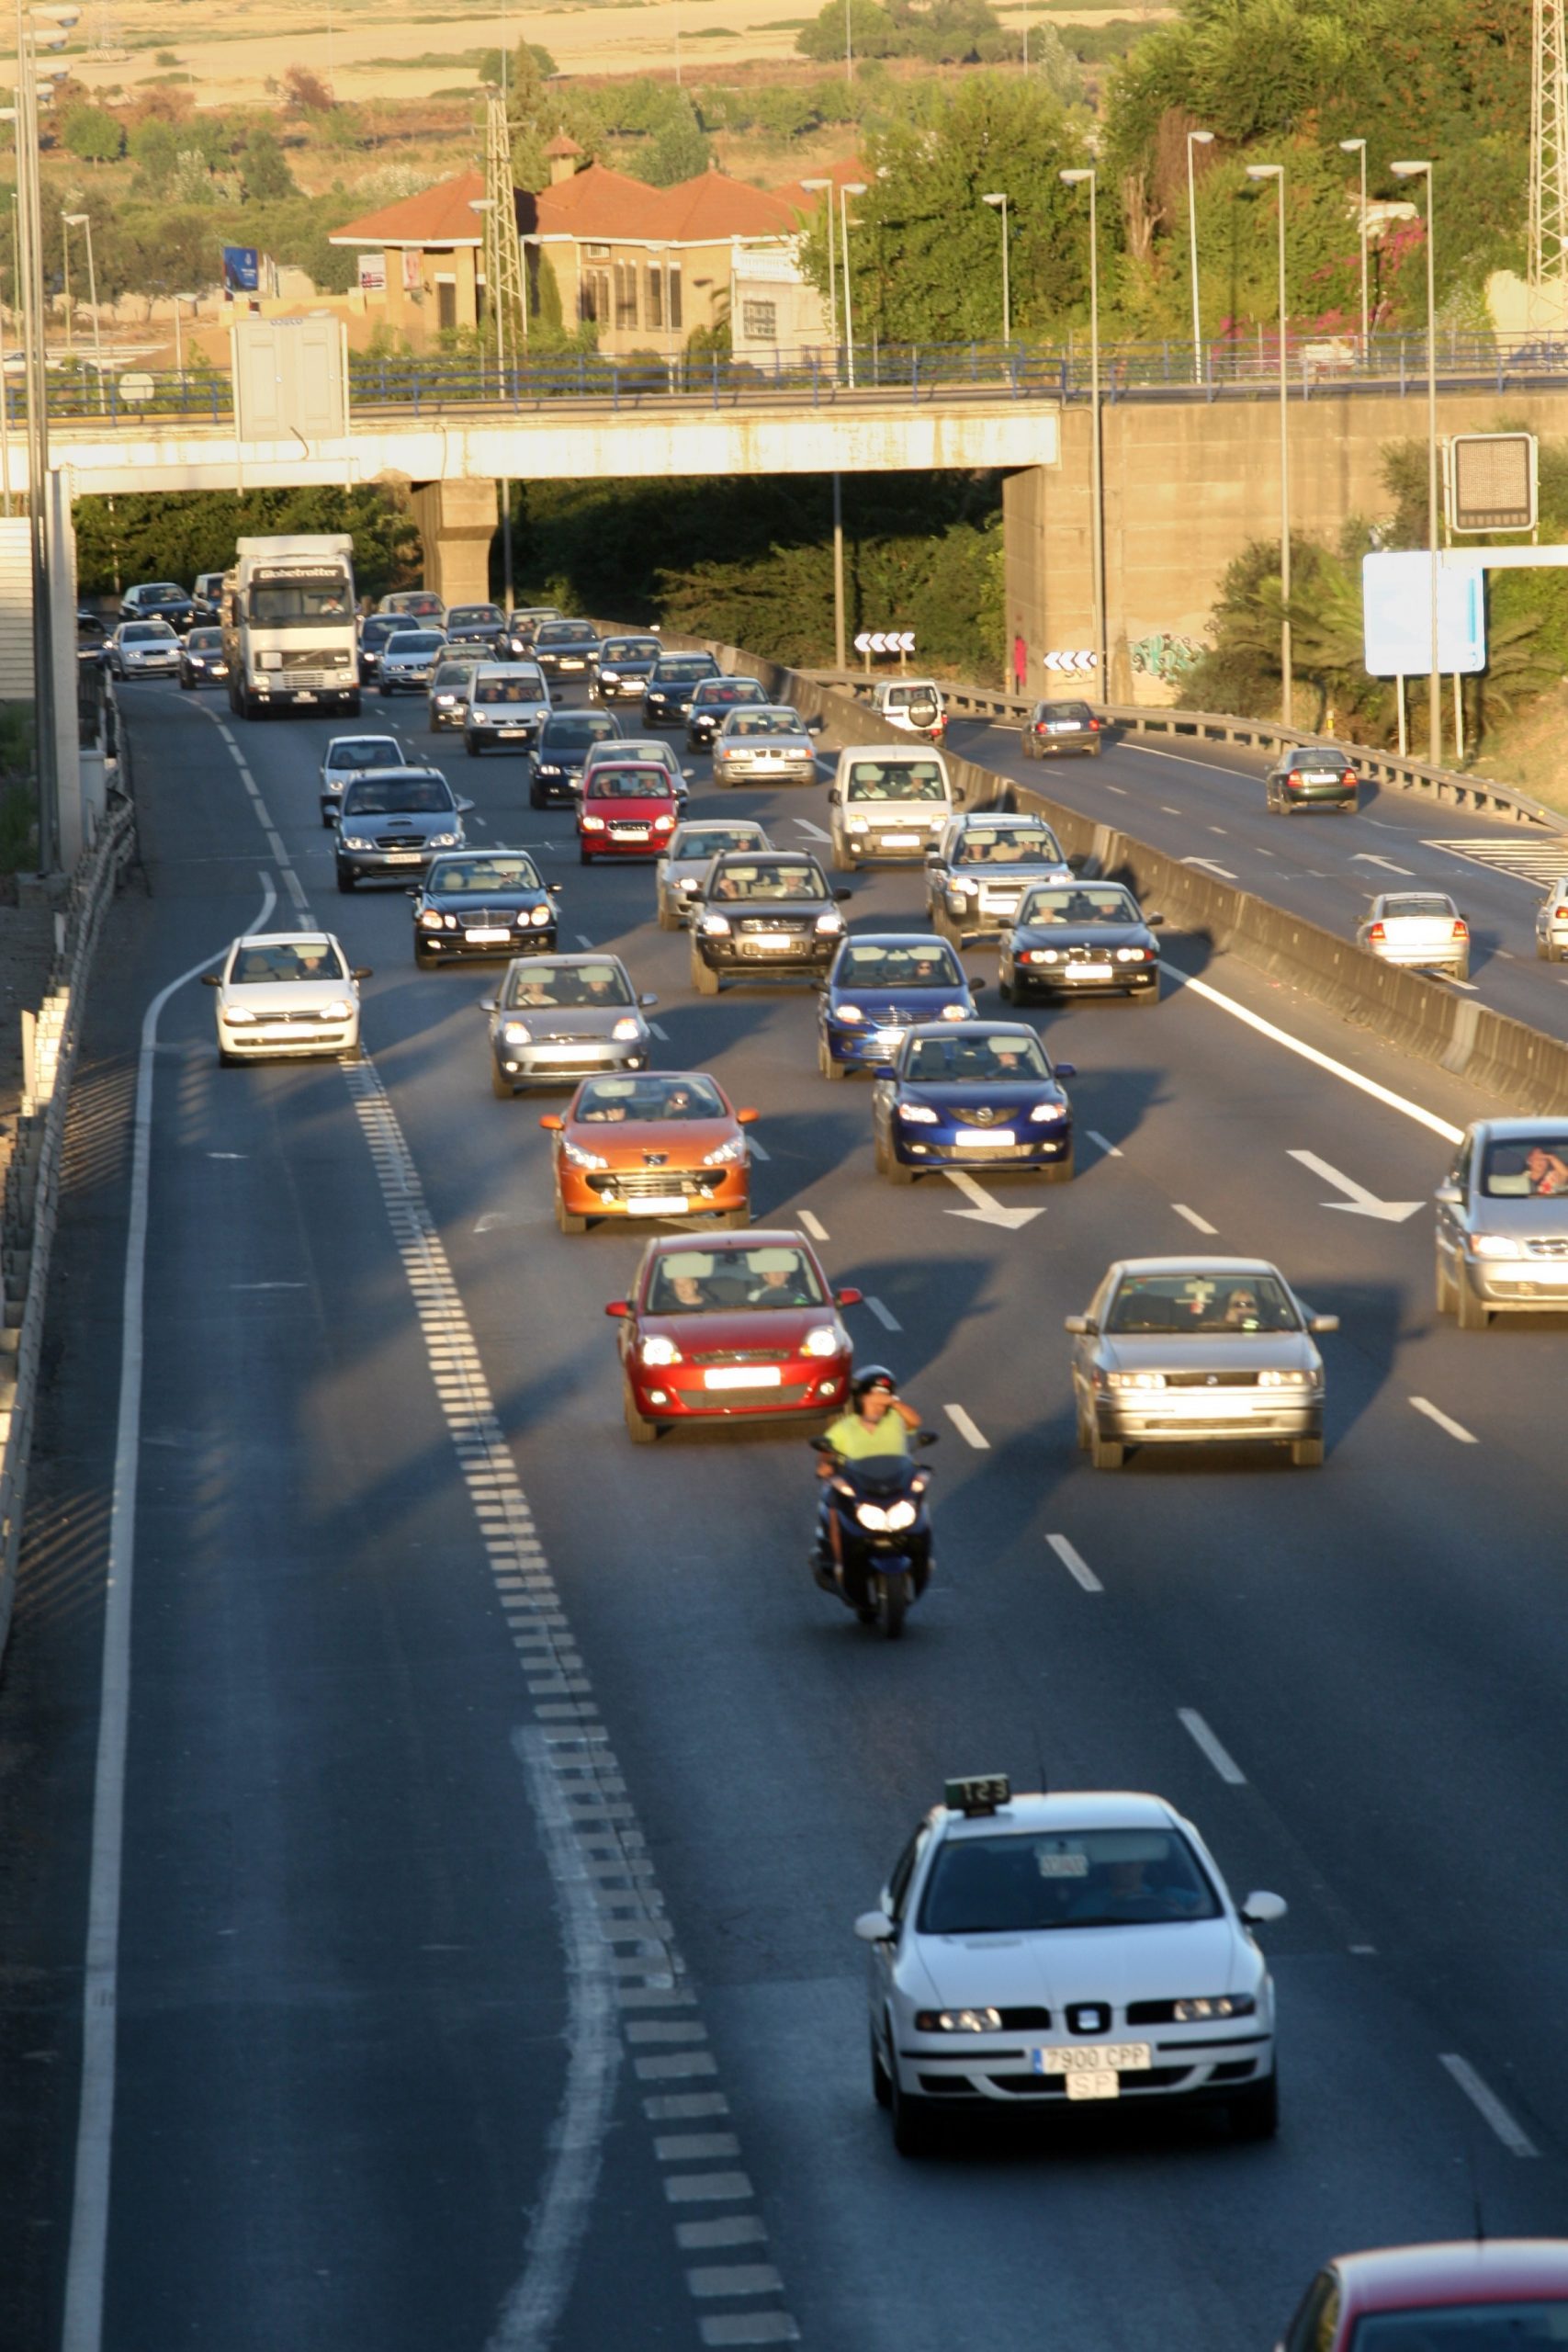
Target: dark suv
<point>771,911</point>
<point>563,742</point>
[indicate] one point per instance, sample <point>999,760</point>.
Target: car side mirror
<point>841,898</point>
<point>411,893</point>
<point>212,979</point>
<point>619,1307</point>
<point>361,972</point>
<point>553,1122</point>
<point>1081,1326</point>
<point>1067,1069</point>
<point>553,889</point>
<point>833,797</point>
<point>489,1004</point>
<point>747,1118</point>
<point>1261,1910</point>
<point>647,1001</point>
<point>464,808</point>
<point>1323,1323</point>
<point>1449,1195</point>
<point>1154,922</point>
<point>875,1927</point>
<point>978,988</point>
<point>847,1297</point>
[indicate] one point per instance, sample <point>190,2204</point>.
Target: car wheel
<point>184,684</point>
<point>566,1222</point>
<point>326,821</point>
<point>914,2124</point>
<point>1461,971</point>
<point>826,1066</point>
<point>640,1432</point>
<point>1083,1428</point>
<point>473,750</point>
<point>881,2087</point>
<point>424,963</point>
<point>1254,2113</point>
<point>1306,1453</point>
<point>385,692</point>
<point>346,879</point>
<point>500,1085</point>
<point>704,980</point>
<point>1061,1171</point>
<point>1444,1301</point>
<point>842,862</point>
<point>1105,1453</point>
<point>897,1170</point>
<point>227,1061</point>
<point>1474,1313</point>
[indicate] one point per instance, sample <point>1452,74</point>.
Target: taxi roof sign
<point>980,1793</point>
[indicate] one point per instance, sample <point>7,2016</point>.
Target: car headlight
<point>822,1342</point>
<point>354,840</point>
<point>958,2021</point>
<point>686,882</point>
<point>540,916</point>
<point>576,1157</point>
<point>547,767</point>
<point>662,824</point>
<point>515,1032</point>
<point>1043,1112</point>
<point>725,1154</point>
<point>1042,956</point>
<point>442,841</point>
<point>624,1031</point>
<point>920,1113</point>
<point>1135,1380</point>
<point>609,677</point>
<point>1131,954</point>
<point>858,825</point>
<point>431,920</point>
<point>658,1351</point>
<point>848,1012</point>
<point>1497,1245</point>
<point>592,824</point>
<point>714,924</point>
<point>236,1015</point>
<point>965,890</point>
<point>955,1012</point>
<point>1285,1380</point>
<point>339,1009</point>
<point>830,924</point>
<point>1201,2007</point>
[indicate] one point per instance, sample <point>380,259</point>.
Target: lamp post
<point>1358,147</point>
<point>999,203</point>
<point>825,188</point>
<point>65,287</point>
<point>849,46</point>
<point>1434,714</point>
<point>848,188</point>
<point>1195,139</point>
<point>83,221</point>
<point>1276,171</point>
<point>1088,176</point>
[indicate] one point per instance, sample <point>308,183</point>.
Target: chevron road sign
<point>1079,663</point>
<point>886,640</point>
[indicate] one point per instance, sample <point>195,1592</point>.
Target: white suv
<point>887,802</point>
<point>914,704</point>
<point>508,703</point>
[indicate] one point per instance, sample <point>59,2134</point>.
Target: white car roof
<point>901,754</point>
<point>1068,1809</point>
<point>508,670</point>
<point>284,939</point>
<point>1206,1265</point>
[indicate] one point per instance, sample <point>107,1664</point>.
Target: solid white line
<point>1310,1053</point>
<point>564,2207</point>
<point>1220,1757</point>
<point>1118,789</point>
<point>884,1315</point>
<point>814,1225</point>
<point>1486,2102</point>
<point>1469,987</point>
<point>1454,1429</point>
<point>1075,1564</point>
<point>82,2330</point>
<point>966,1428</point>
<point>1193,1218</point>
<point>1111,1151</point>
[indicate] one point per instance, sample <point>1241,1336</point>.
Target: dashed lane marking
<point>1451,1428</point>
<point>1112,1151</point>
<point>1220,1757</point>
<point>814,1225</point>
<point>884,1315</point>
<point>966,1428</point>
<point>1486,2103</point>
<point>1077,1566</point>
<point>1193,1218</point>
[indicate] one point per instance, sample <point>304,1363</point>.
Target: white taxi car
<point>1072,1948</point>
<point>283,993</point>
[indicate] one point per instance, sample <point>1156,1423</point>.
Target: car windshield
<point>1527,1166</point>
<point>398,797</point>
<point>568,987</point>
<point>1023,1881</point>
<point>137,632</point>
<point>562,633</point>
<point>454,673</point>
<point>204,641</point>
<point>576,730</point>
<point>961,1060</point>
<point>1078,902</point>
<point>271,961</point>
<point>366,751</point>
<point>629,648</point>
<point>1218,1302</point>
<point>1316,760</point>
<point>687,1282</point>
<point>1008,845</point>
<point>894,780</point>
<point>1412,906</point>
<point>771,877</point>
<point>279,604</point>
<point>1464,2327</point>
<point>473,617</point>
<point>762,722</point>
<point>477,877</point>
<point>164,592</point>
<point>923,965</point>
<point>725,691</point>
<point>712,841</point>
<point>629,783</point>
<point>610,1101</point>
<point>1058,714</point>
<point>416,641</point>
<point>684,668</point>
<point>380,627</point>
<point>527,686</point>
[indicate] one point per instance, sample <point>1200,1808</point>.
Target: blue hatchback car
<point>977,1095</point>
<point>882,985</point>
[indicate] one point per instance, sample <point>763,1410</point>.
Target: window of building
<point>760,322</point>
<point>654,299</point>
<point>674,319</point>
<point>445,302</point>
<point>625,294</point>
<point>596,253</point>
<point>594,299</point>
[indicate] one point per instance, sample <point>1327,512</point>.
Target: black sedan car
<point>674,680</point>
<point>476,627</point>
<point>1313,776</point>
<point>565,648</point>
<point>760,912</point>
<point>713,699</point>
<point>373,638</point>
<point>202,658</point>
<point>562,744</point>
<point>483,902</point>
<point>975,1094</point>
<point>1081,939</point>
<point>623,668</point>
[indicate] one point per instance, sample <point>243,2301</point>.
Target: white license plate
<point>509,731</point>
<point>403,856</point>
<point>582,1053</point>
<point>743,1375</point>
<point>487,938</point>
<point>1106,2058</point>
<point>1062,726</point>
<point>1316,775</point>
<point>888,1036</point>
<point>900,841</point>
<point>1089,972</point>
<point>778,942</point>
<point>1551,1272</point>
<point>1097,2086</point>
<point>983,1135</point>
<point>629,832</point>
<point>666,1204</point>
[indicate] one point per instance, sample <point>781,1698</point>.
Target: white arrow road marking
<point>1365,857</point>
<point>662,1035</point>
<point>1210,867</point>
<point>1454,1429</point>
<point>1359,1202</point>
<point>966,1428</point>
<point>1193,1218</point>
<point>985,1211</point>
<point>1075,1564</point>
<point>814,831</point>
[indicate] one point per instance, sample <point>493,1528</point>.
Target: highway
<point>431,1678</point>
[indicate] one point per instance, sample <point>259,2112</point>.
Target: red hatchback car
<point>1497,2295</point>
<point>730,1330</point>
<point>626,810</point>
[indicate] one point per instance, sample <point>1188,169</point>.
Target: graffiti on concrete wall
<point>1164,656</point>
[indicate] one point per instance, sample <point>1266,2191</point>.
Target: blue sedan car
<point>979,1095</point>
<point>882,985</point>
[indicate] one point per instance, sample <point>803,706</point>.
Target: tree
<point>92,134</point>
<point>265,176</point>
<point>155,147</point>
<point>870,30</point>
<point>306,93</point>
<point>679,151</point>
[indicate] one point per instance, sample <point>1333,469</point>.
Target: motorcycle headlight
<point>624,1031</point>
<point>920,1115</point>
<point>901,1515</point>
<point>515,1032</point>
<point>658,1351</point>
<point>822,1342</point>
<point>1044,1112</point>
<point>958,2021</point>
<point>871,1515</point>
<point>1199,2009</point>
<point>725,1154</point>
<point>849,1013</point>
<point>1497,1245</point>
<point>577,1158</point>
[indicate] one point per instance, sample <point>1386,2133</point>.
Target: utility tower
<point>505,296</point>
<point>1549,151</point>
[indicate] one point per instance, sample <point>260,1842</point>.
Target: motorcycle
<point>880,1558</point>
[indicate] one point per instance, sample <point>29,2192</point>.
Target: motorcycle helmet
<point>874,1375</point>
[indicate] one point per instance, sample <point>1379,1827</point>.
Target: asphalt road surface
<point>496,1799</point>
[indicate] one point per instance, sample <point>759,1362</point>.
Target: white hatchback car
<point>282,993</point>
<point>1064,1949</point>
<point>1551,924</point>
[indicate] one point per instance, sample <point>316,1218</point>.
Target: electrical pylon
<point>1548,148</point>
<point>502,246</point>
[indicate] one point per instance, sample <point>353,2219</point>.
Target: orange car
<point>655,1145</point>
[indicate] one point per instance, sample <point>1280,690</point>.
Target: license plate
<point>581,1053</point>
<point>487,938</point>
<point>900,841</point>
<point>403,856</point>
<point>743,1375</point>
<point>1311,776</point>
<point>1107,2058</point>
<point>983,1135</point>
<point>1090,971</point>
<point>889,1036</point>
<point>1094,2087</point>
<point>666,1204</point>
<point>777,942</point>
<point>629,832</point>
<point>512,730</point>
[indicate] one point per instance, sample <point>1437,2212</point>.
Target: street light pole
<point>1353,147</point>
<point>65,286</point>
<point>847,189</point>
<point>1195,139</point>
<point>1276,171</point>
<point>1090,177</point>
<point>84,221</point>
<point>999,203</point>
<point>1434,714</point>
<point>849,46</point>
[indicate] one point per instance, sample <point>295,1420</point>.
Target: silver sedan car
<point>1197,1351</point>
<point>692,847</point>
<point>772,745</point>
<point>1551,924</point>
<point>1420,930</point>
<point>347,756</point>
<point>1503,1222</point>
<point>564,1017</point>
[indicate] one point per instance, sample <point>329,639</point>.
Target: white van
<point>915,704</point>
<point>887,802</point>
<point>507,702</point>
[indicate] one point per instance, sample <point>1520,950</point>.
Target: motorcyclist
<point>876,1422</point>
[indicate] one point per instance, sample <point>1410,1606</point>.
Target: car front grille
<point>397,841</point>
<point>1548,1249</point>
<point>298,1019</point>
<point>742,1355</point>
<point>792,923</point>
<point>658,1183</point>
<point>1211,1380</point>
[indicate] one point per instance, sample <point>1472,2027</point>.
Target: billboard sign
<point>1491,481</point>
<point>241,270</point>
<point>1397,616</point>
